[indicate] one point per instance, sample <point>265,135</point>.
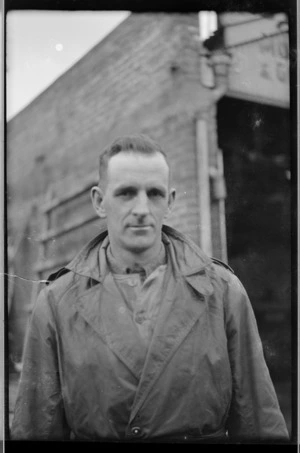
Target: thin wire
<point>23,278</point>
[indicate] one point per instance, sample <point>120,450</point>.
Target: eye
<point>154,193</point>
<point>126,193</point>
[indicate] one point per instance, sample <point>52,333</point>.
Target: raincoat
<point>86,374</point>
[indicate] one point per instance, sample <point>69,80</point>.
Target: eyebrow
<point>161,190</point>
<point>124,187</point>
<point>121,188</point>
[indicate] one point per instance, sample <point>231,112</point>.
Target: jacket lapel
<point>185,303</point>
<point>103,308</point>
<point>179,311</point>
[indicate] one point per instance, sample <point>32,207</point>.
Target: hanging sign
<point>260,70</point>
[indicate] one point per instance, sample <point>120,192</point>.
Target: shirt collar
<point>116,268</point>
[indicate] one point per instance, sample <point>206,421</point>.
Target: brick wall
<point>144,76</point>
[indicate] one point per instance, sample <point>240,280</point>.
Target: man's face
<point>136,200</point>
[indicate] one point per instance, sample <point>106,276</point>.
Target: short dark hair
<point>132,143</point>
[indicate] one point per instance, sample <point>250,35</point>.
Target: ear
<point>171,201</point>
<point>97,196</point>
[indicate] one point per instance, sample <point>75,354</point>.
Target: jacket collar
<point>187,259</point>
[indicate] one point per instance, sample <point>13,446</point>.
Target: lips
<point>140,227</point>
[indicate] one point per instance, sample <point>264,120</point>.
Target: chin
<point>139,246</point>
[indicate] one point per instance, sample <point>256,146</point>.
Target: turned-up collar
<point>187,258</point>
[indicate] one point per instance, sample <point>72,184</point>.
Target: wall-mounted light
<point>215,68</point>
<point>215,63</point>
<point>220,62</point>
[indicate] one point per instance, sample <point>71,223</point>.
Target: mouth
<point>140,227</point>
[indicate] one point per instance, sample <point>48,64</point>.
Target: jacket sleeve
<point>39,412</point>
<point>254,412</point>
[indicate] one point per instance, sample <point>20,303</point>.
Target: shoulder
<point>224,277</point>
<point>55,275</point>
<point>223,271</point>
<point>222,264</point>
<point>57,291</point>
<point>56,285</point>
<point>61,280</point>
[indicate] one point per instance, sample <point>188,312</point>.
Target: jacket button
<point>139,318</point>
<point>132,282</point>
<point>136,431</point>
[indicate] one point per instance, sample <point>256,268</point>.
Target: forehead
<point>133,167</point>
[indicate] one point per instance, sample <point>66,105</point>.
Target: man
<point>142,336</point>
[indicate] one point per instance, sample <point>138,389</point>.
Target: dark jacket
<point>86,372</point>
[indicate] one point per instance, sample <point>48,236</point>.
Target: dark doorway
<point>255,139</point>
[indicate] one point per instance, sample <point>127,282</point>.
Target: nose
<point>141,207</point>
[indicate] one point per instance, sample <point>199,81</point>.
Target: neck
<point>131,259</point>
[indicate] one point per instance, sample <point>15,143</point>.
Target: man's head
<point>134,193</point>
<point>140,144</point>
